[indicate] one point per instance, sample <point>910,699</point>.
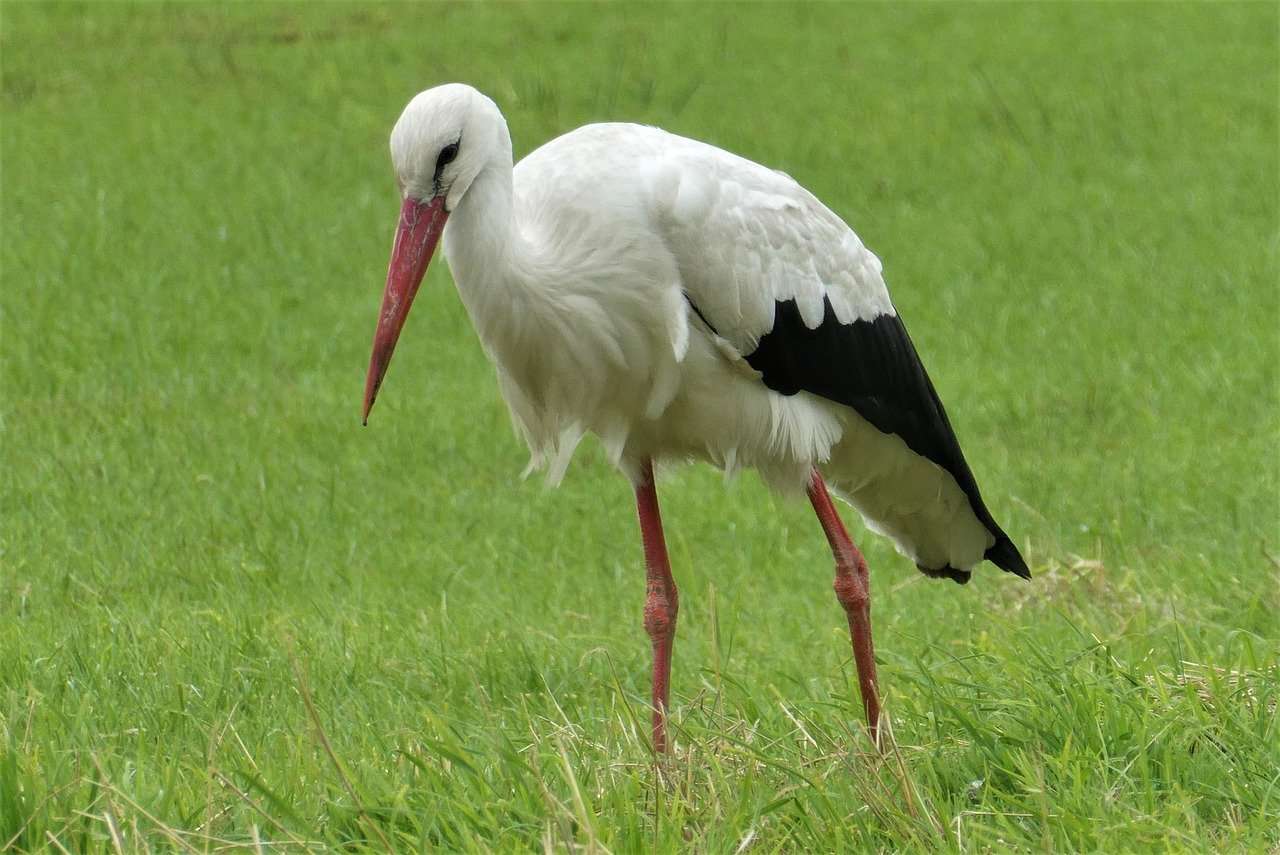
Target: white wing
<point>746,237</point>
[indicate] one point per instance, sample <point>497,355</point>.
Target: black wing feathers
<point>872,366</point>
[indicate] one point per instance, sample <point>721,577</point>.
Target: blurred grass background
<point>1077,206</point>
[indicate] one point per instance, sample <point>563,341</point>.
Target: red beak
<point>416,237</point>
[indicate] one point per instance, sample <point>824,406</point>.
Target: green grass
<point>1077,207</point>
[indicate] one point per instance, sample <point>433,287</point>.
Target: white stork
<point>680,302</point>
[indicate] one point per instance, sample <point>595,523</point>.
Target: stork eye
<point>447,154</point>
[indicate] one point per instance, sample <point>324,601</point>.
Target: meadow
<point>231,617</point>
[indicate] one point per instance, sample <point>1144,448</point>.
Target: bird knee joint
<point>850,591</point>
<point>660,615</point>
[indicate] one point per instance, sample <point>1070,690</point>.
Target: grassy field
<point>231,616</point>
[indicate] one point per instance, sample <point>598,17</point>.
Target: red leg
<point>854,593</point>
<point>661,600</point>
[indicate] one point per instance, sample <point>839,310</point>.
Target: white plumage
<point>581,269</point>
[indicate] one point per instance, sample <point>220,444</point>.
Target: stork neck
<point>480,237</point>
<point>484,248</point>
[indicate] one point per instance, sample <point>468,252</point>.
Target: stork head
<point>445,137</point>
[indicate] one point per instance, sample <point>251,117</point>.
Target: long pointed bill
<point>416,237</point>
